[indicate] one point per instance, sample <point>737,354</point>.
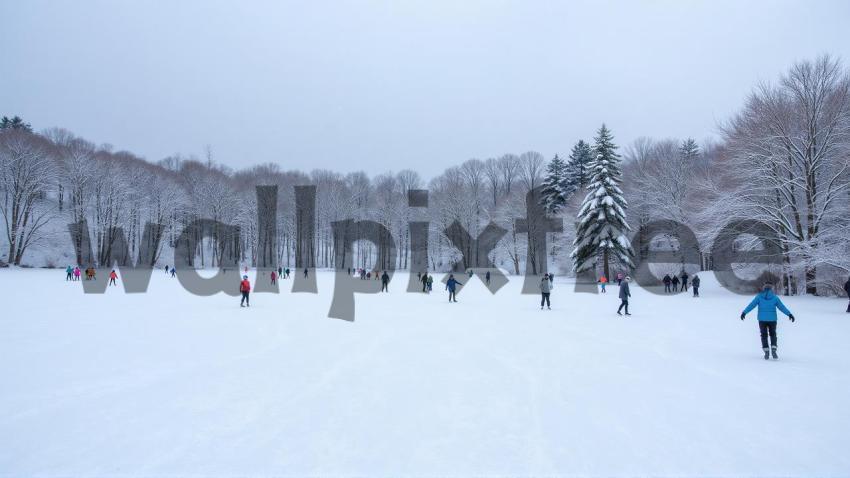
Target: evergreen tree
<point>578,167</point>
<point>689,150</point>
<point>556,188</point>
<point>602,227</point>
<point>14,123</point>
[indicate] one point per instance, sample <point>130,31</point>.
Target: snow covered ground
<point>170,383</point>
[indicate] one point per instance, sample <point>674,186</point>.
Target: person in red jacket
<point>112,276</point>
<point>274,277</point>
<point>245,289</point>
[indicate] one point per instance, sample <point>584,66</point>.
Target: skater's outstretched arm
<point>750,307</point>
<point>781,306</point>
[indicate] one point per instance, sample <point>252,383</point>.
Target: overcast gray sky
<point>395,84</point>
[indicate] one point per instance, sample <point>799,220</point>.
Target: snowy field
<point>166,383</point>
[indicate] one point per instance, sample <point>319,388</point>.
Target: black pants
<point>666,287</point>
<point>112,281</point>
<point>245,300</point>
<point>384,287</point>
<point>848,304</point>
<point>69,277</point>
<point>452,296</point>
<point>685,286</point>
<point>696,291</point>
<point>767,328</point>
<point>624,303</point>
<point>545,299</point>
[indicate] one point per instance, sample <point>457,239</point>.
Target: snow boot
<point>619,313</point>
<point>773,353</point>
<point>628,314</point>
<point>766,354</point>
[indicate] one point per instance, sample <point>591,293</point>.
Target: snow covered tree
<point>602,227</point>
<point>556,187</point>
<point>578,166</point>
<point>689,150</point>
<point>14,123</point>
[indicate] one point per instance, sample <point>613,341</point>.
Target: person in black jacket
<point>847,289</point>
<point>684,281</point>
<point>675,283</point>
<point>385,280</point>
<point>667,282</point>
<point>624,295</point>
<point>695,284</point>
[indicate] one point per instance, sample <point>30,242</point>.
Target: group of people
<point>671,283</point>
<point>74,273</point>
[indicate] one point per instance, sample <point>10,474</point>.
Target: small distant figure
<point>173,272</point>
<point>91,274</point>
<point>112,277</point>
<point>306,271</point>
<point>424,279</point>
<point>602,282</point>
<point>487,278</point>
<point>625,293</point>
<point>280,272</point>
<point>451,286</point>
<point>695,283</point>
<point>619,278</point>
<point>245,289</point>
<point>287,273</point>
<point>684,281</point>
<point>69,273</point>
<point>77,273</point>
<point>470,273</point>
<point>274,277</point>
<point>847,289</point>
<point>166,269</point>
<point>767,302</point>
<point>552,278</point>
<point>675,283</point>
<point>667,282</point>
<point>545,292</point>
<point>385,281</point>
<point>430,283</point>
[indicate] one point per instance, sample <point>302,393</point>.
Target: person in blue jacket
<point>767,302</point>
<point>451,285</point>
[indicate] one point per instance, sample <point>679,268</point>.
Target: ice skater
<point>112,276</point>
<point>667,281</point>
<point>487,278</point>
<point>245,289</point>
<point>695,285</point>
<point>451,286</point>
<point>173,272</point>
<point>624,296</point>
<point>602,282</point>
<point>385,281</point>
<point>767,302</point>
<point>684,281</point>
<point>274,277</point>
<point>675,283</point>
<point>545,291</point>
<point>424,279</point>
<point>847,289</point>
<point>69,273</point>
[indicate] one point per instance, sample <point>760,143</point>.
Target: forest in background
<point>782,159</point>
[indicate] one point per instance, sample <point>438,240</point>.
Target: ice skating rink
<point>167,383</point>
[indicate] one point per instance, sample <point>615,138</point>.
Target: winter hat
<point>244,277</point>
<point>767,286</point>
<point>628,279</point>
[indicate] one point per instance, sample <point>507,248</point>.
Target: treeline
<point>783,160</point>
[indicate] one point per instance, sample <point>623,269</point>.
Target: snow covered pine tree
<point>556,186</point>
<point>601,228</point>
<point>578,166</point>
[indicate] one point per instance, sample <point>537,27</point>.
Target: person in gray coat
<point>545,290</point>
<point>624,296</point>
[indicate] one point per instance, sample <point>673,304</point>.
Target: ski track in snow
<point>166,383</point>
